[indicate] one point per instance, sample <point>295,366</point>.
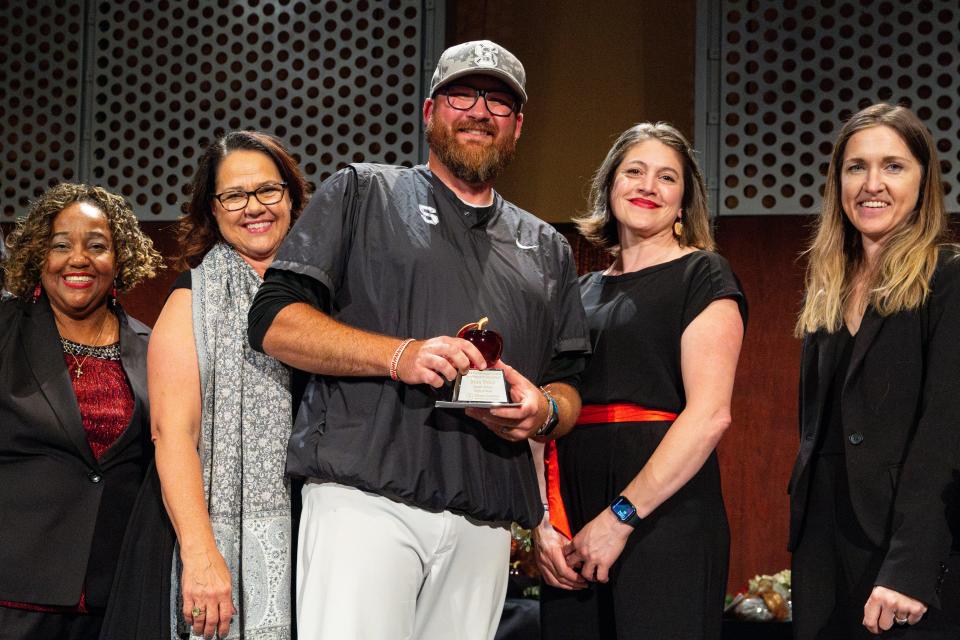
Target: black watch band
<point>625,511</point>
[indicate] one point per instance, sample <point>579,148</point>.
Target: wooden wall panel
<point>593,69</point>
<point>757,452</point>
<point>144,302</point>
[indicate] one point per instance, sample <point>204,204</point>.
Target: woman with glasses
<point>221,412</point>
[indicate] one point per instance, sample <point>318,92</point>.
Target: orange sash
<point>590,414</point>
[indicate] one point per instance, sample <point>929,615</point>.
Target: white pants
<point>369,568</point>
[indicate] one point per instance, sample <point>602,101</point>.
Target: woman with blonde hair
<point>634,488</point>
<point>873,518</point>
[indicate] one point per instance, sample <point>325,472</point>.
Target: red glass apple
<point>488,342</point>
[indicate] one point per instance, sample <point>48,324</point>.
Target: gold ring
<point>198,612</point>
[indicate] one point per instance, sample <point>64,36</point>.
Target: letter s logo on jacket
<point>429,214</point>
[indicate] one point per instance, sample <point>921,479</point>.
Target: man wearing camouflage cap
<point>404,531</point>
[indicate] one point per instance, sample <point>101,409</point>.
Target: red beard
<point>471,162</point>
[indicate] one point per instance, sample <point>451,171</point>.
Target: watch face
<point>623,509</point>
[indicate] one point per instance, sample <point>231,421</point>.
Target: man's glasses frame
<point>463,98</point>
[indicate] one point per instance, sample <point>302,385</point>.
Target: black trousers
<point>669,582</point>
<point>21,624</point>
<point>835,565</point>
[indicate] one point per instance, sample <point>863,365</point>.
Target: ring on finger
<point>198,612</point>
<point>899,620</point>
<point>504,430</point>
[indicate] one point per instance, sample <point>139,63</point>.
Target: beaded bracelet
<point>395,361</point>
<point>553,414</point>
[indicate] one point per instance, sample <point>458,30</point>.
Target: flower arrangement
<point>765,598</point>
<point>523,566</point>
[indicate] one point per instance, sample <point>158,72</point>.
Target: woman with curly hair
<point>75,438</point>
<point>222,415</point>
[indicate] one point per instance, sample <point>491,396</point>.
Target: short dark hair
<point>198,230</point>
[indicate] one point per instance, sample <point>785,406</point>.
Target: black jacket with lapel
<point>901,429</point>
<point>62,512</point>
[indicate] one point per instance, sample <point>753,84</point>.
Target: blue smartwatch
<point>625,511</point>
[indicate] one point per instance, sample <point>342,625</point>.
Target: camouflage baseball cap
<point>480,57</point>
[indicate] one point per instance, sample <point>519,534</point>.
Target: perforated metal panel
<point>338,80</point>
<point>791,72</point>
<point>40,94</point>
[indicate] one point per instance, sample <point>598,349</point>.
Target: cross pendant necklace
<point>79,363</point>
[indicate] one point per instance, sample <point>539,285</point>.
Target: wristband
<point>553,415</point>
<point>396,357</point>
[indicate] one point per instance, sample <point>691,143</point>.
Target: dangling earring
<point>113,295</point>
<point>36,293</point>
<point>678,228</point>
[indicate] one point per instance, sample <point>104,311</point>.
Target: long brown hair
<point>906,261</point>
<point>599,226</point>
<point>198,231</point>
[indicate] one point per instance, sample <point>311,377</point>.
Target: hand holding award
<point>475,388</point>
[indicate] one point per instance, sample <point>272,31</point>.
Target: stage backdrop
<point>126,94</point>
<point>776,81</point>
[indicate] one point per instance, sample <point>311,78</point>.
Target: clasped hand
<point>548,551</point>
<point>597,546</point>
<point>570,564</point>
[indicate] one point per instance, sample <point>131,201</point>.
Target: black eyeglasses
<point>265,194</point>
<point>462,98</point>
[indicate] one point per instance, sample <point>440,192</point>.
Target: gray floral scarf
<point>245,425</point>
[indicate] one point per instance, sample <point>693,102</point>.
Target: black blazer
<point>901,427</point>
<point>62,512</point>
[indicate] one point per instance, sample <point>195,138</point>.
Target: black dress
<point>669,582</point>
